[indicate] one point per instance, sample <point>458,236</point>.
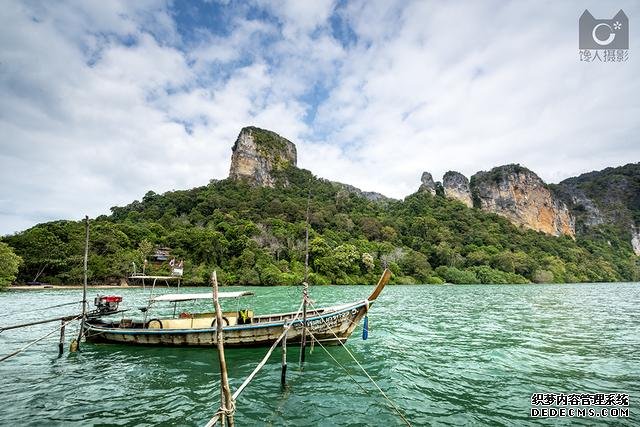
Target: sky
<point>102,101</point>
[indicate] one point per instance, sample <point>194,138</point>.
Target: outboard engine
<point>107,303</point>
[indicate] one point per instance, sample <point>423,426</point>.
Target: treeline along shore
<point>250,227</point>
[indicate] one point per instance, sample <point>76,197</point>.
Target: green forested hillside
<point>255,236</point>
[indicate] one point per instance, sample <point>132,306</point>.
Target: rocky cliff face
<point>456,186</point>
<point>427,183</point>
<point>259,154</point>
<point>522,197</point>
<point>346,189</point>
<point>635,240</point>
<point>610,196</point>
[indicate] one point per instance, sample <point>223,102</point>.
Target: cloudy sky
<point>104,100</point>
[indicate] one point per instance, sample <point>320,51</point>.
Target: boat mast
<point>84,285</point>
<point>305,284</point>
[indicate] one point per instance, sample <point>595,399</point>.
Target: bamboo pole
<point>37,322</point>
<point>261,364</point>
<point>257,369</point>
<point>226,401</point>
<point>84,285</point>
<point>305,291</point>
<point>10,355</point>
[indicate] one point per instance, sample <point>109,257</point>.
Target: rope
<point>266,357</point>
<point>339,364</point>
<point>246,382</point>
<point>393,405</point>
<point>10,355</point>
<point>39,309</point>
<point>227,411</point>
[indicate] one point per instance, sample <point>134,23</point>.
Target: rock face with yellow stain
<point>258,156</point>
<point>519,195</point>
<point>456,186</point>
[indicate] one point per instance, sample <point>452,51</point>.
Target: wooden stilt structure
<point>84,285</point>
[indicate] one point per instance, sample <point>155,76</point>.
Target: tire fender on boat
<point>225,322</point>
<point>154,324</point>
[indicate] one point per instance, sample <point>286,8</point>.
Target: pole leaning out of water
<point>305,290</point>
<point>226,404</point>
<point>84,284</point>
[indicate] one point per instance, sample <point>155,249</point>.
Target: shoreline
<point>53,287</point>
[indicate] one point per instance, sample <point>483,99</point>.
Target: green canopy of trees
<point>256,236</point>
<point>9,263</point>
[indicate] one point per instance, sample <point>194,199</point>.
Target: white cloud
<point>103,101</point>
<point>300,16</point>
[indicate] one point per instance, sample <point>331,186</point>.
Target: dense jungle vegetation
<point>255,236</point>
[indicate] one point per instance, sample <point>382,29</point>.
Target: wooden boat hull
<point>328,325</point>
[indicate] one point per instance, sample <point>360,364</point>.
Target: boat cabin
<point>192,320</point>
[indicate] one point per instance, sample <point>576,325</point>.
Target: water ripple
<point>447,355</point>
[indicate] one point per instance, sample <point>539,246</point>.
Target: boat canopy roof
<point>206,295</point>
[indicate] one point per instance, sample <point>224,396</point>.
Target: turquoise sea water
<point>447,355</point>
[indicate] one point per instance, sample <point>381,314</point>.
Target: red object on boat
<point>107,303</point>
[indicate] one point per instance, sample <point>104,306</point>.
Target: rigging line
<point>366,373</point>
<point>10,355</point>
<point>339,364</point>
<point>266,357</point>
<point>246,382</point>
<point>38,309</point>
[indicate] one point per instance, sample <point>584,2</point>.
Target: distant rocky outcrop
<point>610,196</point>
<point>258,155</point>
<point>369,195</point>
<point>577,205</point>
<point>521,196</point>
<point>456,186</point>
<point>428,185</point>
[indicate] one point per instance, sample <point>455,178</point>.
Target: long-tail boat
<point>241,328</point>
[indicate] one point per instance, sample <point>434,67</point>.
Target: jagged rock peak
<point>521,196</point>
<point>345,189</point>
<point>427,183</point>
<point>456,186</point>
<point>258,154</point>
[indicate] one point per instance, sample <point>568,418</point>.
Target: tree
<point>256,236</point>
<point>9,264</point>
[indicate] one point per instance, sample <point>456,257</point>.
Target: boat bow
<point>384,279</point>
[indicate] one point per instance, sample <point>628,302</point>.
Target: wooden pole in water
<point>283,376</point>
<point>84,285</point>
<point>305,291</point>
<point>227,402</point>
<point>61,343</point>
<point>303,342</point>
